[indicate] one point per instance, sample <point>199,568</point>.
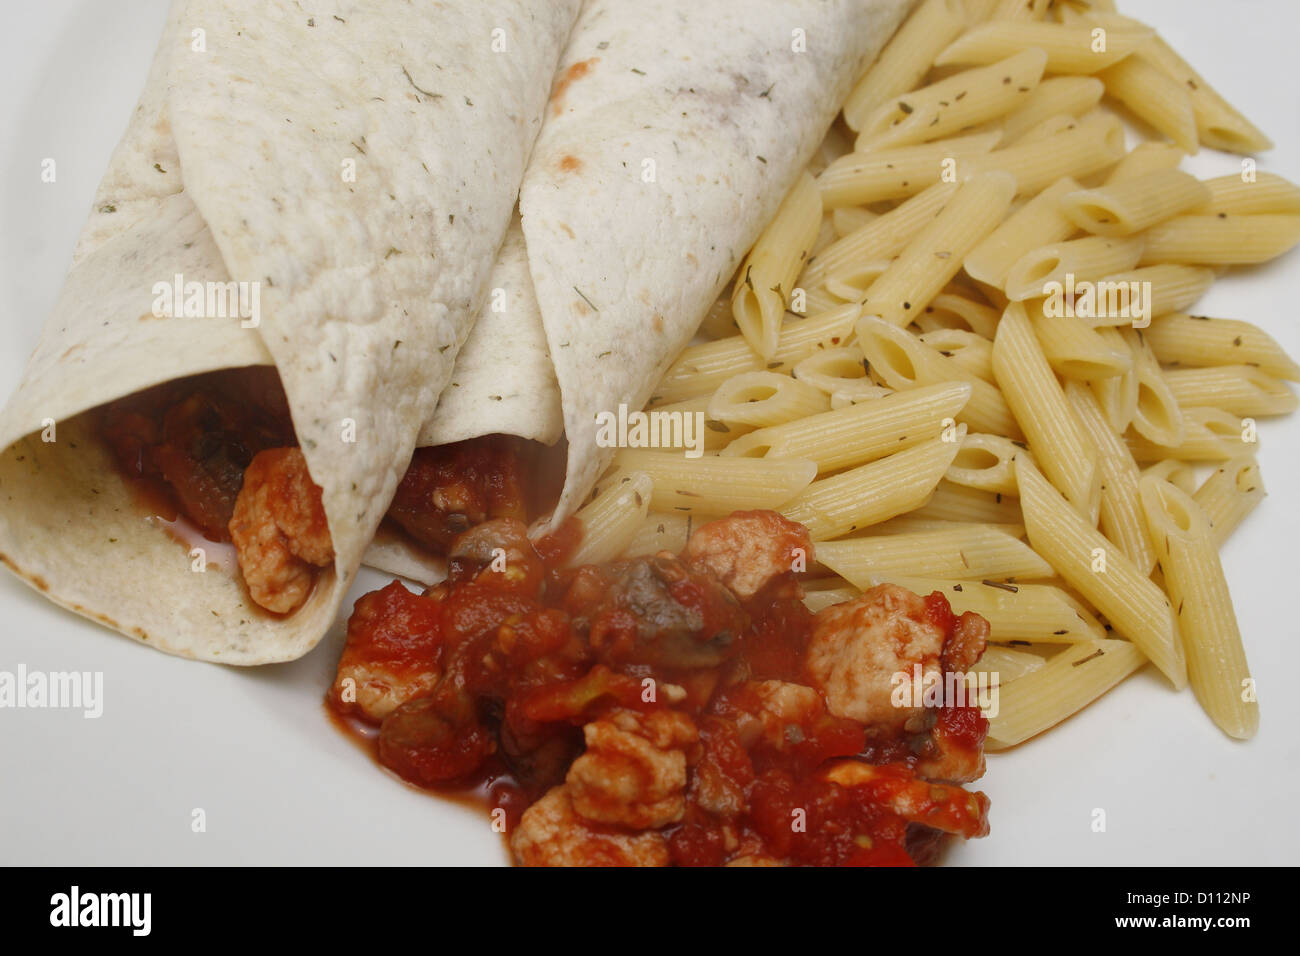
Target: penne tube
<point>660,531</point>
<point>713,485</point>
<point>1123,208</point>
<point>1073,348</point>
<point>861,178</point>
<point>817,600</point>
<point>1101,572</point>
<point>1148,292</point>
<point>1083,148</point>
<point>701,369</point>
<point>910,523</point>
<point>859,433</point>
<point>1189,557</point>
<point>985,463</point>
<point>1039,613</point>
<point>849,219</point>
<point>1063,450</point>
<point>1006,664</point>
<point>716,434</point>
<point>879,239</point>
<point>970,552</point>
<point>1039,222</point>
<point>1210,434</point>
<point>1118,396</point>
<point>1237,389</point>
<point>1221,239</point>
<point>766,277</point>
<point>1178,473</point>
<point>765,398</point>
<point>1120,518</point>
<point>1154,97</point>
<point>1145,158</point>
<point>1262,194</point>
<point>1157,416</point>
<point>954,502</point>
<point>1069,49</point>
<point>955,310</point>
<point>973,353</point>
<point>906,58</point>
<point>1229,494</point>
<point>1062,687</point>
<point>611,520</point>
<point>1063,265</point>
<point>834,370</point>
<point>874,492</point>
<point>954,104</point>
<point>1054,96</point>
<point>902,361</point>
<point>1199,341</point>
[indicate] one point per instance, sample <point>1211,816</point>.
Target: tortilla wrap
<point>728,109</point>
<point>235,167</point>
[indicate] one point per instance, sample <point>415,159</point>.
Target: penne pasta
<point>1210,434</point>
<point>952,105</point>
<point>1034,395</point>
<point>934,255</point>
<point>970,552</point>
<point>902,361</point>
<point>1129,206</point>
<point>1261,194</point>
<point>1072,261</point>
<point>972,352</point>
<point>1189,557</point>
<point>874,492</point>
<point>1073,348</point>
<point>1084,147</point>
<point>713,485</point>
<point>985,463</point>
<point>1221,239</point>
<point>1148,292</point>
<point>859,433</point>
<point>1237,389</point>
<point>660,531</point>
<point>1229,494</point>
<point>765,398</point>
<point>1039,222</point>
<point>1069,49</point>
<point>954,502</point>
<point>1062,687</point>
<point>1039,613</point>
<point>1120,518</point>
<point>1155,97</point>
<point>1146,158</point>
<point>861,178</point>
<point>611,520</point>
<point>1199,341</point>
<point>701,369</point>
<point>1157,415</point>
<point>1101,572</point>
<point>1054,96</point>
<point>1117,395</point>
<point>1005,664</point>
<point>767,275</point>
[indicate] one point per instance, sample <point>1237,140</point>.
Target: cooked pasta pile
<point>961,355</point>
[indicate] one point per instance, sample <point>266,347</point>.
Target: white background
<point>254,749</point>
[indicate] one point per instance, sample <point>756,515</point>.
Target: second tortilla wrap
<point>674,132</point>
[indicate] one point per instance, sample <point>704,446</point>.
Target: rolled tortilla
<point>359,164</point>
<point>674,131</point>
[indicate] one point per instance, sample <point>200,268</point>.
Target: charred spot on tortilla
<point>570,164</point>
<point>575,72</point>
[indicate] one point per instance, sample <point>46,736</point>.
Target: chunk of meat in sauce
<point>658,611</point>
<point>859,646</point>
<point>748,549</point>
<point>633,772</point>
<point>279,530</point>
<point>788,724</point>
<point>941,806</point>
<point>393,653</point>
<point>552,833</point>
<point>450,488</point>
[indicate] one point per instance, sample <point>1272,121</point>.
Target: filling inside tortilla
<point>219,451</point>
<point>677,709</point>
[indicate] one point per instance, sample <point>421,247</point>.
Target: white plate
<point>277,783</point>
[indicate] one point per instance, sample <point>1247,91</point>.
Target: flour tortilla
<point>234,167</point>
<point>718,97</point>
